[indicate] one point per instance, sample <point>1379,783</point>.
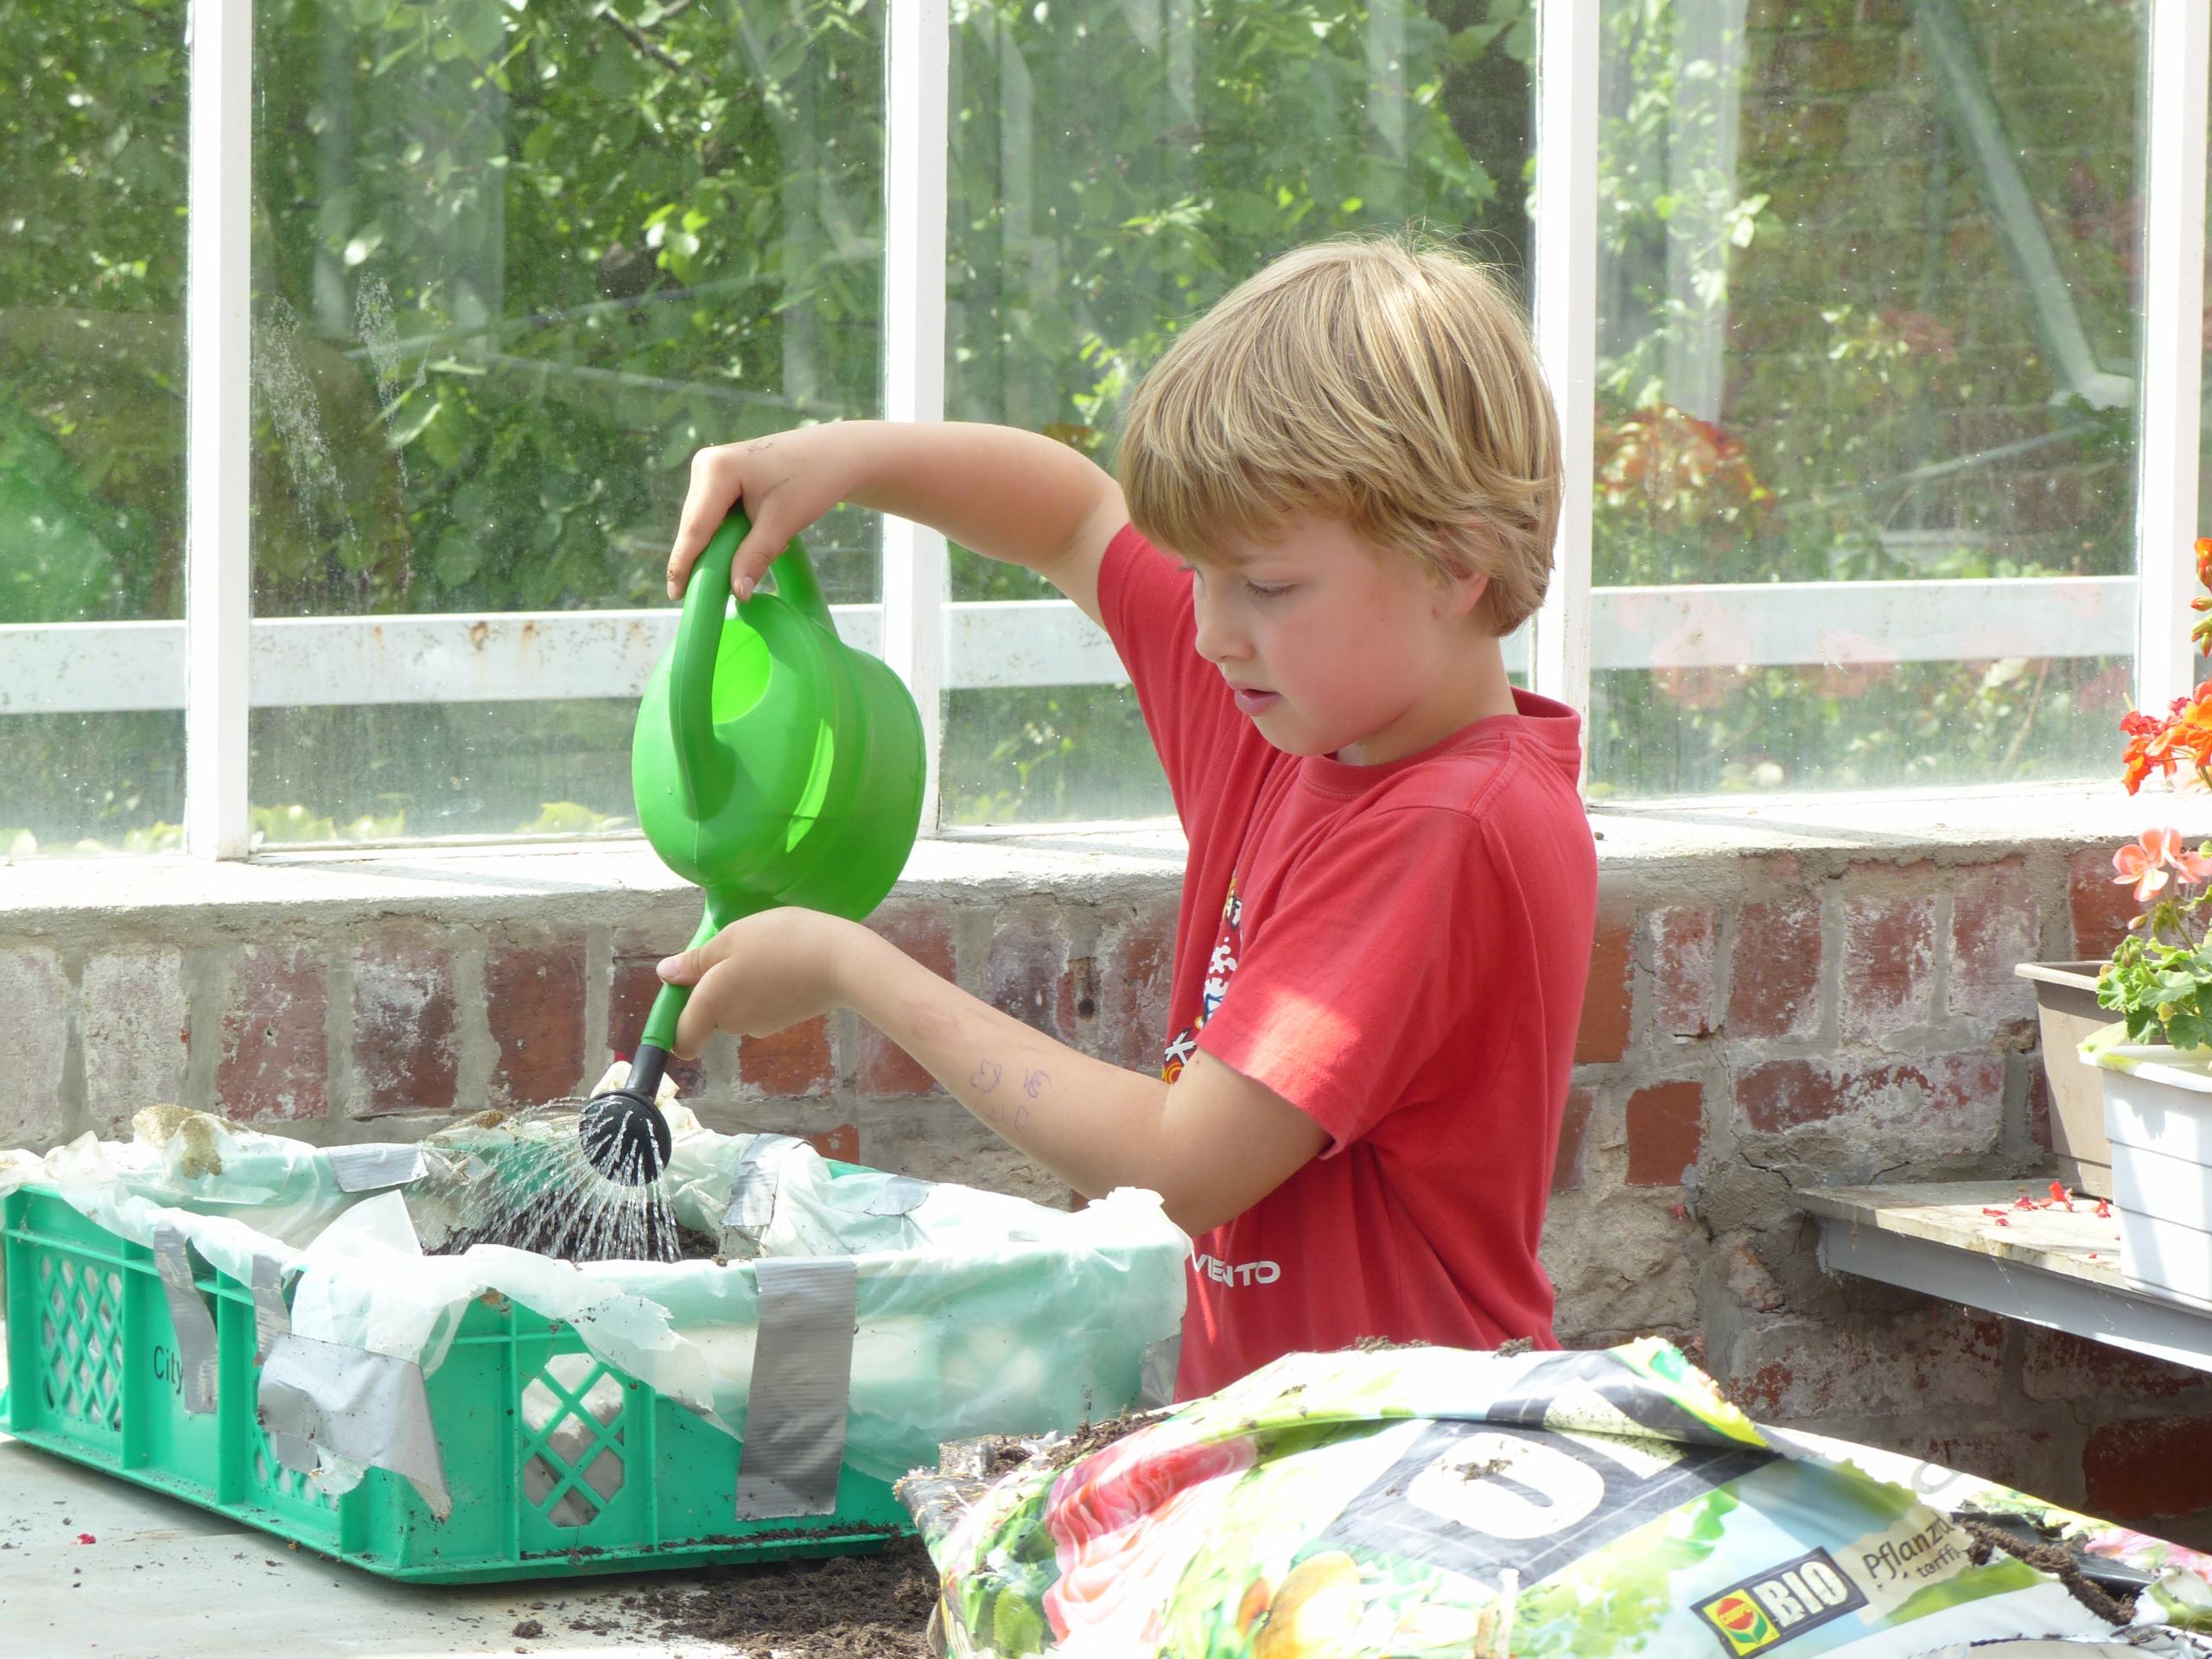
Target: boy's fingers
<point>755,555</point>
<point>695,1026</point>
<point>689,967</point>
<point>714,488</point>
<point>685,967</point>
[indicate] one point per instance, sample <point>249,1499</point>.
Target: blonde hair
<point>1387,381</point>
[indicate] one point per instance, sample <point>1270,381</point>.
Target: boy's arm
<point>1005,493</point>
<point>1211,1144</point>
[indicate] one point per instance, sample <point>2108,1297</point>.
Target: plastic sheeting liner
<point>901,1196</point>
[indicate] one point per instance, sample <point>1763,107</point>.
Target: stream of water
<point>530,1186</point>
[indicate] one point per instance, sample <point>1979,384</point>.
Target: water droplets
<point>524,1180</point>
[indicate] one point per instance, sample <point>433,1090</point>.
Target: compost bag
<point>1430,1502</point>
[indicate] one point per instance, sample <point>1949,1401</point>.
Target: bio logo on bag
<point>1780,1603</point>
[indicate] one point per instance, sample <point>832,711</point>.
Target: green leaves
<point>2159,986</point>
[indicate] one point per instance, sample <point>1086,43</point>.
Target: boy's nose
<point>1218,642</point>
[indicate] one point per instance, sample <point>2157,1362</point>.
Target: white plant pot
<point>2158,1119</point>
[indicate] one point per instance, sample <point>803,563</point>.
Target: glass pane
<point>1867,315</point>
<point>91,424</point>
<point>513,265</point>
<point>1117,165</point>
<point>1049,754</point>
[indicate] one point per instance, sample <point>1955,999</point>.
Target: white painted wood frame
<point>917,89</point>
<point>2173,356</point>
<point>1565,280</point>
<point>219,408</point>
<point>525,656</point>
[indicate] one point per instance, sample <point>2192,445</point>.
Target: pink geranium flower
<point>2147,860</point>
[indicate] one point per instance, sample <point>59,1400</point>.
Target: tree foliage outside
<point>516,259</point>
<point>1115,169</point>
<point>1882,407</point>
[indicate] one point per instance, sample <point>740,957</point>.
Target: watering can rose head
<point>2159,978</point>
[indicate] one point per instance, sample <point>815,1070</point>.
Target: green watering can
<point>772,765</point>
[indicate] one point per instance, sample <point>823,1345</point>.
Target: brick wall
<point>1755,1022</point>
<point>349,1027</point>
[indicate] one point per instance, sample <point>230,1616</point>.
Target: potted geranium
<point>2155,1062</point>
<point>2176,747</point>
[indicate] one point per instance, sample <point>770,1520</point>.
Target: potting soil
<point>875,1606</point>
<point>1423,1503</point>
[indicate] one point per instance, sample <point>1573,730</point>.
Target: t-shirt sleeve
<point>1145,600</point>
<point>1361,967</point>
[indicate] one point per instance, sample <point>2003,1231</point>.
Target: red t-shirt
<point>1399,951</point>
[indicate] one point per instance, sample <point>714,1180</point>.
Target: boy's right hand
<point>784,483</point>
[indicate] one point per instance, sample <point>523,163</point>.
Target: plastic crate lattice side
<point>572,1421</point>
<point>81,1335</point>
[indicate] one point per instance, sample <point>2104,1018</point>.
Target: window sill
<point>1957,825</point>
<point>604,878</point>
<point>2058,1270</point>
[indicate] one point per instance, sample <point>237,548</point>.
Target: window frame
<point>934,643</point>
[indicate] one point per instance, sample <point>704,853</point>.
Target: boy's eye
<point>1267,589</point>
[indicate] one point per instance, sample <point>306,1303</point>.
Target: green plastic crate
<point>92,1376</point>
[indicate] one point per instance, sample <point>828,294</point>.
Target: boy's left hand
<point>759,975</point>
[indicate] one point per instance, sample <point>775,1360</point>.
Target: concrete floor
<point>167,1580</point>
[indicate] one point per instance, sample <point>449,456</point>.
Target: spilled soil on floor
<point>874,1606</point>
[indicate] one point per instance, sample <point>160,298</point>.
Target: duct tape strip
<point>901,1196</point>
<point>369,1409</point>
<point>1156,1372</point>
<point>802,1373</point>
<point>188,1316</point>
<point>271,1319</point>
<point>372,1167</point>
<point>753,1187</point>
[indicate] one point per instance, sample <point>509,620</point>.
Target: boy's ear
<point>1465,578</point>
<point>1461,596</point>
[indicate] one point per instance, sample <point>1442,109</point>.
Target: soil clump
<point>2054,1559</point>
<point>1095,1437</point>
<point>872,1606</point>
<point>549,1229</point>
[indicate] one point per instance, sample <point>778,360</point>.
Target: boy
<point>1387,906</point>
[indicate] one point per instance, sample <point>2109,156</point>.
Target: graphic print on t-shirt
<point>1221,967</point>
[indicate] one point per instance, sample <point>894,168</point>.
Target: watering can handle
<point>668,1004</point>
<point>701,765</point>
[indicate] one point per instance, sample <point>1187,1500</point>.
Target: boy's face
<point>1333,649</point>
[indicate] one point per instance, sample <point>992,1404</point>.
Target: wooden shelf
<point>2049,1266</point>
